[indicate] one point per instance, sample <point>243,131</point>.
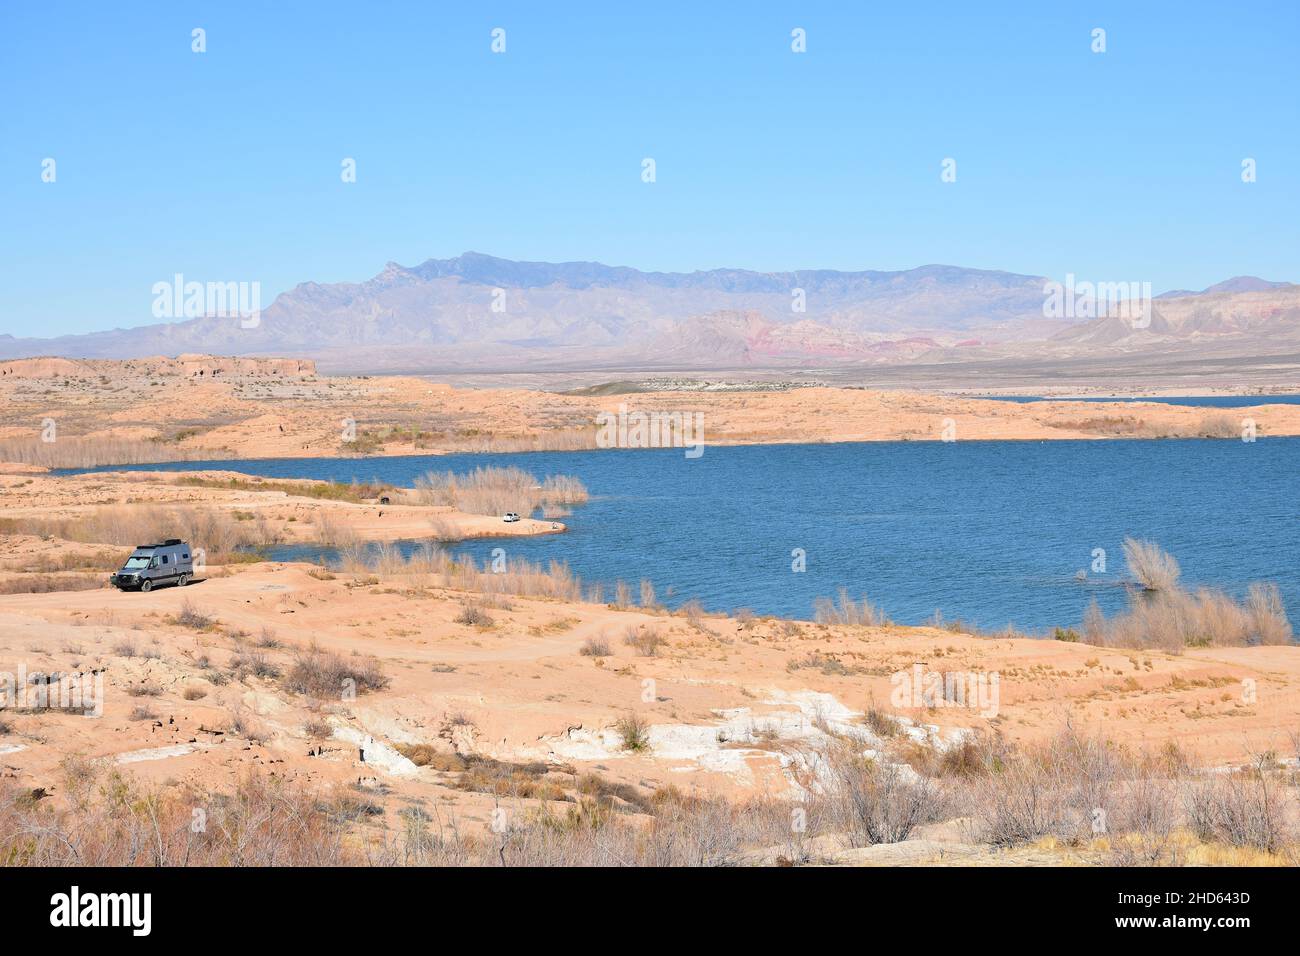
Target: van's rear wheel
<point>146,585</point>
<point>183,580</point>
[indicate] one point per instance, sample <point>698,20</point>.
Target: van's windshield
<point>135,562</point>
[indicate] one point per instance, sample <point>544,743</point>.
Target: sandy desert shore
<point>198,684</point>
<point>166,409</point>
<point>730,703</point>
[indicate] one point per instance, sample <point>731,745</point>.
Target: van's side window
<point>164,559</point>
<point>185,557</point>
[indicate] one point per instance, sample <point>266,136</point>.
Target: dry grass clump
<point>1078,789</point>
<point>51,583</point>
<point>254,663</point>
<point>75,452</point>
<point>217,532</point>
<point>847,611</point>
<point>332,533</point>
<point>432,565</point>
<point>1242,809</point>
<point>318,729</point>
<point>320,673</point>
<point>1176,619</point>
<point>69,561</point>
<point>495,491</point>
<point>1218,425</point>
<point>353,491</point>
<point>634,733</point>
<point>1163,615</point>
<point>595,647</point>
<point>190,616</point>
<point>473,614</point>
<point>645,638</point>
<point>108,819</point>
<point>1081,792</point>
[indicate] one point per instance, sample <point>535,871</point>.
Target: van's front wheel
<point>146,585</point>
<point>183,580</point>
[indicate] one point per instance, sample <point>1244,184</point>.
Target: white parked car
<point>510,516</point>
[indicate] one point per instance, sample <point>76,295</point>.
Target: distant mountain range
<point>480,312</point>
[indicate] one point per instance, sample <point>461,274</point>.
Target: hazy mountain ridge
<point>481,311</point>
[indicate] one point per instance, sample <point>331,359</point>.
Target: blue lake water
<point>988,532</point>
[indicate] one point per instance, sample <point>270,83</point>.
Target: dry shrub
<point>847,611</point>
<point>645,638</point>
<point>320,673</point>
<point>191,617</point>
<point>1153,567</point>
<point>50,583</point>
<point>1268,620</point>
<point>495,491</point>
<point>595,647</point>
<point>1241,809</point>
<point>473,613</point>
<point>333,533</point>
<point>1218,425</point>
<point>1172,620</point>
<point>72,452</point>
<point>878,802</point>
<point>1054,789</point>
<point>429,564</point>
<point>253,663</point>
<point>634,733</point>
<point>318,729</point>
<point>108,819</point>
<point>217,532</point>
<point>1162,615</point>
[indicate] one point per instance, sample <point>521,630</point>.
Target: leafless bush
<point>253,663</point>
<point>495,491</point>
<point>473,613</point>
<point>320,673</point>
<point>1153,567</point>
<point>1174,619</point>
<point>847,611</point>
<point>595,647</point>
<point>1053,789</point>
<point>645,638</point>
<point>1268,620</point>
<point>190,616</point>
<point>1242,809</point>
<point>50,583</point>
<point>879,802</point>
<point>74,452</point>
<point>218,532</point>
<point>1218,425</point>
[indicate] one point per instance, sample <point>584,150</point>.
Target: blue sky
<point>224,166</point>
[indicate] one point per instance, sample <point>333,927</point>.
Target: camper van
<point>151,565</point>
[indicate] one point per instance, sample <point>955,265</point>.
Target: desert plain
<point>424,709</point>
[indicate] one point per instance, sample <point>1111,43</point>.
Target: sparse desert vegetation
<point>495,491</point>
<point>1162,614</point>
